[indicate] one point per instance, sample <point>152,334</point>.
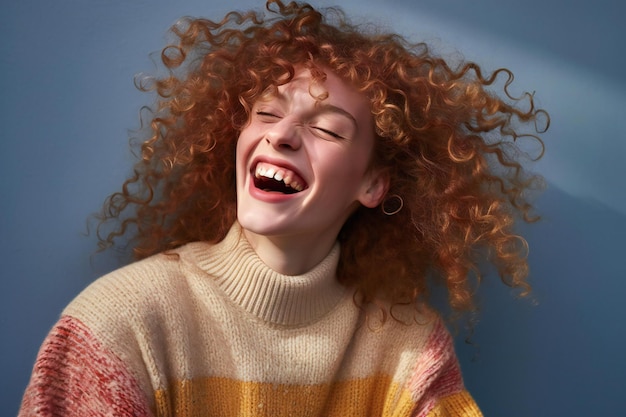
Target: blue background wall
<point>67,100</point>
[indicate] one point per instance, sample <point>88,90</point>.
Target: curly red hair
<point>447,142</point>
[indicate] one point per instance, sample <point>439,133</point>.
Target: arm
<point>437,381</point>
<point>75,375</point>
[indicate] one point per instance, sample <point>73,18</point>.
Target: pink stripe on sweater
<point>437,373</point>
<point>75,375</point>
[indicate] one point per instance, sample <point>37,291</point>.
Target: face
<point>303,164</point>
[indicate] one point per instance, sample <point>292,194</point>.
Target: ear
<point>375,186</point>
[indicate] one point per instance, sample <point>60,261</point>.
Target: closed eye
<point>328,132</point>
<point>267,115</point>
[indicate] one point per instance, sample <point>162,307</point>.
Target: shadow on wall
<point>558,353</point>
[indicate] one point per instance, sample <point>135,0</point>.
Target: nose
<point>285,134</point>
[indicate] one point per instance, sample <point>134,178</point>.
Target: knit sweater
<point>210,330</point>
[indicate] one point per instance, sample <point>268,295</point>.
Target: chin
<point>258,223</point>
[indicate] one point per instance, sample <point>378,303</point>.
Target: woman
<point>305,186</point>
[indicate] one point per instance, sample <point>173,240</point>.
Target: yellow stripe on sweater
<point>459,404</point>
<point>224,397</point>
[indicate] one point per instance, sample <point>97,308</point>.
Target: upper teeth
<point>279,174</point>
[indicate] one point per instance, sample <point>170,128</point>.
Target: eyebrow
<point>325,107</point>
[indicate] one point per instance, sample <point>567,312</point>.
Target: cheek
<point>241,150</point>
<point>238,148</point>
<point>243,146</point>
<point>245,137</point>
<point>346,167</point>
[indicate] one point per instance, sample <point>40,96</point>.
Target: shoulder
<point>134,282</point>
<point>422,337</point>
<point>396,338</point>
<point>429,366</point>
<point>402,325</point>
<point>418,355</point>
<point>142,291</point>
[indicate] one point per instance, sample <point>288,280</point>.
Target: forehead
<point>329,90</point>
<point>325,86</point>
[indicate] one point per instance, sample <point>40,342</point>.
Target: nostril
<point>285,134</point>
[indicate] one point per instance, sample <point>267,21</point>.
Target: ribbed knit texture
<point>261,291</point>
<point>212,331</point>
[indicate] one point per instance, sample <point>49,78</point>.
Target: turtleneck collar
<point>271,296</point>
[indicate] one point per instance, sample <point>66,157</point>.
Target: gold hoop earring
<point>398,204</point>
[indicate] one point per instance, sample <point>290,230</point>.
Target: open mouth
<point>271,178</point>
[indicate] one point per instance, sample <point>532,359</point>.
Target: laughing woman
<point>304,187</point>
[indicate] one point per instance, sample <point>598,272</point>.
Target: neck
<point>290,255</point>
